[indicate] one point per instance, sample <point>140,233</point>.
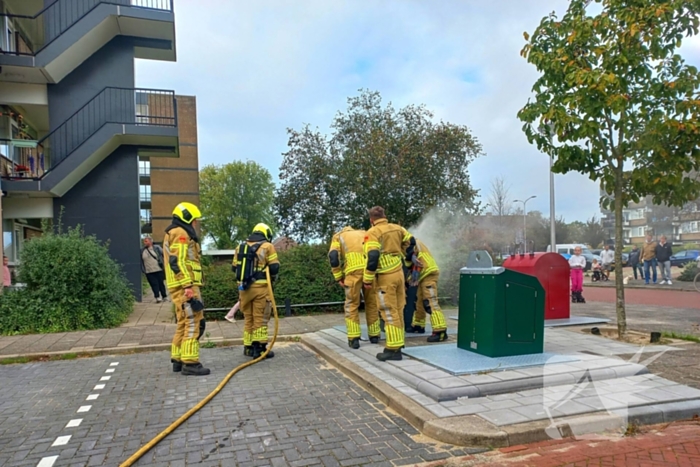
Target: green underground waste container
<point>501,312</point>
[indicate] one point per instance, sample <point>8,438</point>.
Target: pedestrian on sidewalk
<point>152,267</point>
<point>6,275</point>
<point>663,257</point>
<point>607,257</point>
<point>635,262</point>
<point>649,258</point>
<point>577,262</point>
<point>232,312</point>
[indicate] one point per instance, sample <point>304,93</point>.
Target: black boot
<point>416,330</point>
<point>389,355</point>
<point>354,343</point>
<point>259,349</point>
<point>194,369</point>
<point>439,336</point>
<point>177,366</point>
<point>248,350</point>
<point>374,339</point>
<point>580,298</point>
<point>573,297</point>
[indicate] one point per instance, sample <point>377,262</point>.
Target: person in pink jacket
<point>577,262</point>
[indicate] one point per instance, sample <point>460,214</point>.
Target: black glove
<point>196,304</point>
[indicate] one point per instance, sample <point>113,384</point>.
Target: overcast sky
<point>258,68</point>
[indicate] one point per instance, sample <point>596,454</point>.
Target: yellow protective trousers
<point>391,299</point>
<point>428,301</point>
<point>185,345</point>
<point>256,308</point>
<point>353,290</point>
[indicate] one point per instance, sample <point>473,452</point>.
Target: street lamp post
<point>547,131</point>
<point>525,217</point>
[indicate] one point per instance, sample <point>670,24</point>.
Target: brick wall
<point>174,180</point>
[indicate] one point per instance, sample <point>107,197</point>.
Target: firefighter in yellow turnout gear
<point>347,259</point>
<point>183,275</point>
<point>426,277</point>
<point>385,245</point>
<point>249,263</point>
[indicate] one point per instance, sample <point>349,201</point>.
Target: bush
<point>305,277</point>
<point>689,272</point>
<point>71,284</point>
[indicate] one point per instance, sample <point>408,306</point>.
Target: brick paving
<point>293,410</point>
<point>672,445</point>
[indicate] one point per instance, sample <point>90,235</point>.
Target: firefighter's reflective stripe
<point>247,338</point>
<point>429,265</point>
<point>264,261</point>
<point>335,246</point>
<point>389,263</point>
<point>338,275</point>
<point>394,336</point>
<point>372,245</point>
<point>354,262</point>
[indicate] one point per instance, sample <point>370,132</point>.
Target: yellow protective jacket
<point>346,254</point>
<point>385,247</point>
<point>181,255</point>
<point>267,256</point>
<point>424,256</point>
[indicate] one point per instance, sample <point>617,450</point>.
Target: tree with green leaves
<point>234,197</point>
<point>617,102</point>
<point>376,155</point>
<point>593,232</point>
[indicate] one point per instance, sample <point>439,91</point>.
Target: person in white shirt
<point>607,256</point>
<point>577,262</point>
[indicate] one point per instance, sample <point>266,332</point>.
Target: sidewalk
<point>149,326</point>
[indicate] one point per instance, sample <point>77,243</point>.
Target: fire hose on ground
<point>148,446</point>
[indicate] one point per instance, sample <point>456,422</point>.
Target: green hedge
<point>71,284</point>
<point>689,272</point>
<point>305,277</point>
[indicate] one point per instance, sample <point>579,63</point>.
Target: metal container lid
<point>480,262</point>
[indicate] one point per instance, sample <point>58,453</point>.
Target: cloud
<point>258,68</point>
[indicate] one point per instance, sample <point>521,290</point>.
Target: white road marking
<point>47,461</point>
<point>105,378</point>
<point>114,364</point>
<point>84,408</point>
<point>92,397</point>
<point>75,422</point>
<point>99,386</point>
<point>61,440</point>
<point>109,370</point>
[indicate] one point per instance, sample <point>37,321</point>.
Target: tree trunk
<point>619,244</point>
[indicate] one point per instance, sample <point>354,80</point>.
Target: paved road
<point>293,410</point>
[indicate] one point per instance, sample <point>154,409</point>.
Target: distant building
<point>284,244</point>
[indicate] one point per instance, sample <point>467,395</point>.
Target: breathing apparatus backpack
<point>247,261</point>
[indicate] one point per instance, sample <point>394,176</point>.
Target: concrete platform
<point>572,321</point>
<point>597,392</point>
<point>458,361</point>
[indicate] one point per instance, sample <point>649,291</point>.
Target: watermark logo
<point>606,396</point>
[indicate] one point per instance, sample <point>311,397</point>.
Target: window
<point>141,107</point>
<point>145,168</point>
<point>9,240</point>
<point>637,232</point>
<point>690,227</point>
<point>145,192</point>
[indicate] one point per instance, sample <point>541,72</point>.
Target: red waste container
<point>553,272</point>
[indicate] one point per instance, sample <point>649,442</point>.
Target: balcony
<point>21,159</point>
<point>45,47</point>
<point>143,118</point>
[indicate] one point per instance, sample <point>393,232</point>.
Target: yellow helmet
<point>187,212</point>
<point>263,229</point>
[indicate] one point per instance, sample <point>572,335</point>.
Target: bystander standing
<point>635,260</point>
<point>649,258</point>
<point>152,266</point>
<point>663,257</point>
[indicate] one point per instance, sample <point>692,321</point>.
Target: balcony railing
<point>34,33</point>
<point>142,107</point>
<point>21,159</point>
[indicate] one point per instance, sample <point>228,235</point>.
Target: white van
<point>568,248</point>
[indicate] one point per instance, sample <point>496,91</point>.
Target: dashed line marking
<point>75,422</point>
<point>105,378</point>
<point>109,370</point>
<point>84,408</point>
<point>114,364</point>
<point>47,461</point>
<point>98,387</point>
<point>92,397</point>
<point>62,440</point>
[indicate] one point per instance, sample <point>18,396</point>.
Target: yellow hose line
<point>146,447</point>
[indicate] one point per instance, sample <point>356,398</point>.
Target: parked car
<point>681,258</point>
<point>567,250</point>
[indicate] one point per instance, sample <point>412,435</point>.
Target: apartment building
<point>167,181</point>
<point>73,124</point>
<point>679,225</point>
